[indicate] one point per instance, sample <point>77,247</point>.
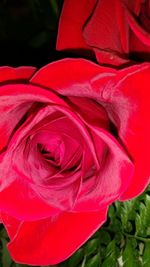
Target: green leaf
<point>127,212</point>
<point>111,211</point>
<point>94,261</point>
<point>76,258</point>
<point>146,255</point>
<point>6,260</point>
<point>104,237</point>
<point>129,256</point>
<point>111,255</point>
<point>147,203</point>
<point>92,246</point>
<point>55,7</point>
<point>138,223</point>
<point>110,262</point>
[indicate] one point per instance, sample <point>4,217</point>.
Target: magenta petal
<point>30,207</point>
<point>114,177</point>
<point>12,111</point>
<point>125,96</point>
<point>133,94</point>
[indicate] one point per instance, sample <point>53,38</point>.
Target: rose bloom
<point>116,32</point>
<point>74,137</point>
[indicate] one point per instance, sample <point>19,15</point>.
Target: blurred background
<point>28,30</point>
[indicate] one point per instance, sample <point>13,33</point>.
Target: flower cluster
<point>74,135</point>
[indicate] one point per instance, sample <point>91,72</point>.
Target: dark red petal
<point>138,30</point>
<point>139,49</point>
<point>109,36</point>
<point>20,73</point>
<point>73,17</point>
<point>135,6</point>
<point>52,240</point>
<point>139,23</point>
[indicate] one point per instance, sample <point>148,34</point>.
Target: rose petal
<point>54,239</point>
<point>130,100</point>
<point>20,73</point>
<point>125,96</point>
<point>13,111</point>
<point>92,30</point>
<point>111,40</point>
<point>10,178</point>
<point>114,177</point>
<point>30,207</point>
<point>72,19</point>
<point>11,224</point>
<point>76,77</point>
<point>139,31</point>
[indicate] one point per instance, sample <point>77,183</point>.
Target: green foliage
<point>123,241</point>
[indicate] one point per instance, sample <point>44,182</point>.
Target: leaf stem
<point>54,6</point>
<point>84,261</point>
<point>137,237</point>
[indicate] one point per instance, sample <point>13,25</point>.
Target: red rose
<point>117,31</point>
<point>74,137</point>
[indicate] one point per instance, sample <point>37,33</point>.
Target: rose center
<point>50,153</point>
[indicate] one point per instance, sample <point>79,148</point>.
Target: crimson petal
<point>53,240</point>
<point>71,24</point>
<point>20,73</point>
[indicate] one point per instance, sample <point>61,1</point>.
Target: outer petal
<point>140,33</point>
<point>90,27</point>
<point>73,17</point>
<point>130,109</point>
<point>30,207</point>
<point>12,225</point>
<point>9,74</point>
<point>140,51</point>
<point>114,177</point>
<point>138,30</point>
<point>74,77</point>
<point>21,73</point>
<point>108,37</point>
<point>52,240</point>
